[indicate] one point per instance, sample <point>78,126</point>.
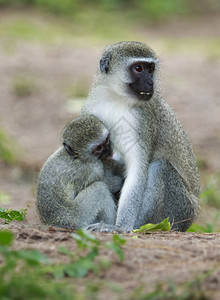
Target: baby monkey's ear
<point>70,151</point>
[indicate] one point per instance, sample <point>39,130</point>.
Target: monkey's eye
<point>99,148</point>
<point>107,140</point>
<point>69,150</point>
<point>138,68</point>
<point>151,68</point>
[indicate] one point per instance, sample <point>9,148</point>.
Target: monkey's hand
<point>114,183</point>
<point>103,227</point>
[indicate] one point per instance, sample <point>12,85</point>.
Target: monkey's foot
<point>103,227</point>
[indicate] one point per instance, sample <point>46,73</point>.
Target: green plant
<point>157,9</point>
<point>24,273</point>
<point>12,215</point>
<point>79,89</point>
<point>4,197</point>
<point>211,194</point>
<point>187,291</point>
<point>9,150</point>
<point>66,7</point>
<point>23,86</point>
<point>21,278</point>
<point>115,246</point>
<point>139,10</point>
<point>201,163</point>
<point>79,264</point>
<point>149,228</point>
<point>208,228</point>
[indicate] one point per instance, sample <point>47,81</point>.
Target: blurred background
<point>49,52</point>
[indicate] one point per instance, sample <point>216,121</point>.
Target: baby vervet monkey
<point>76,184</point>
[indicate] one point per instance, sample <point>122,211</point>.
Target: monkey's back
<point>60,180</point>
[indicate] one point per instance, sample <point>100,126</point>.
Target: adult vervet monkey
<point>161,174</point>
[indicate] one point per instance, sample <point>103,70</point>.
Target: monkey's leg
<point>93,204</point>
<point>166,196</point>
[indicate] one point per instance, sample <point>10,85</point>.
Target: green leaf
<point>64,250</point>
<point>119,240</point>
<point>79,268</point>
<point>16,215</point>
<point>6,238</point>
<point>148,228</point>
<point>209,228</point>
<point>115,246</point>
<point>93,253</point>
<point>117,249</point>
<point>58,272</point>
<point>4,198</point>
<point>7,146</point>
<point>33,257</point>
<point>84,239</point>
<point>5,215</point>
<point>10,214</point>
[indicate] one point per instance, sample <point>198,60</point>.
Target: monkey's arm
<point>114,175</point>
<point>116,167</point>
<point>131,199</point>
<point>114,183</point>
<point>93,204</point>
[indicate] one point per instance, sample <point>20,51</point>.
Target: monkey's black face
<point>103,150</point>
<point>143,85</point>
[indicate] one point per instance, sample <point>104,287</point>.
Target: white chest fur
<point>120,119</point>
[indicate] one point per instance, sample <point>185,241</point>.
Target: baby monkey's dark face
<point>103,150</point>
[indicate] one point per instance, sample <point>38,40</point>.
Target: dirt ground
<point>150,259</point>
<point>190,86</point>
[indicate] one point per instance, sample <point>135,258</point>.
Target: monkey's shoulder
<point>58,162</point>
<point>64,169</point>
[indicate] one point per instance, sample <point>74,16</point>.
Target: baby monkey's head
<point>87,138</point>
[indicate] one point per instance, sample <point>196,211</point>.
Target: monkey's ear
<point>70,151</point>
<point>104,63</point>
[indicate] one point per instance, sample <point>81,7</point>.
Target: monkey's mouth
<point>140,92</point>
<point>144,95</point>
<point>107,154</point>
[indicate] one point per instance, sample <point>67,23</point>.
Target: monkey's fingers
<point>101,227</point>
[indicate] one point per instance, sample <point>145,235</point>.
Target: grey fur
<point>73,193</point>
<point>162,177</point>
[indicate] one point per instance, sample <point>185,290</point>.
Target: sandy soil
<point>191,87</point>
<point>149,259</point>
